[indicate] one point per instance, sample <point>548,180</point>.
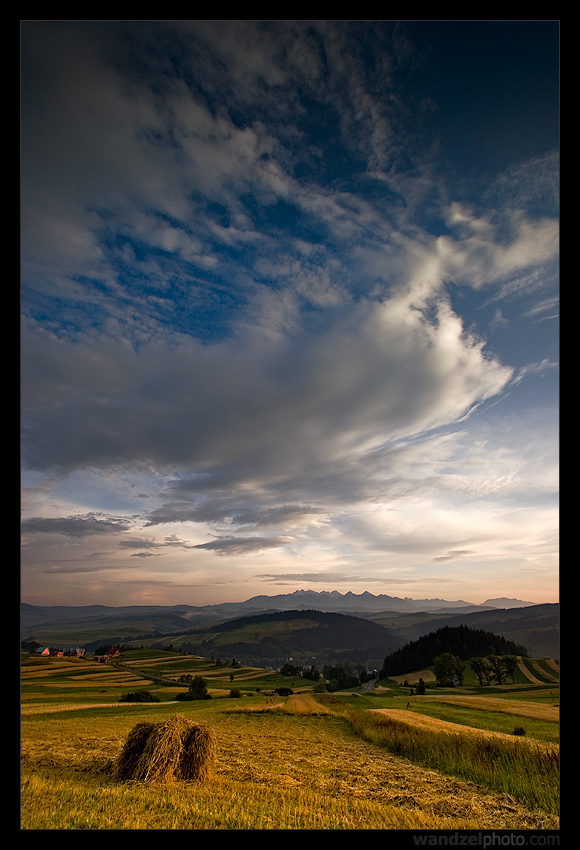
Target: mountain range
<point>177,616</point>
<point>403,619</point>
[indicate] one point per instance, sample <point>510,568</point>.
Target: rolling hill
<point>457,640</point>
<point>535,626</point>
<point>306,637</point>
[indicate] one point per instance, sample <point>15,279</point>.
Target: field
<point>386,760</point>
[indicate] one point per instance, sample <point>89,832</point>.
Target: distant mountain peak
<point>505,602</point>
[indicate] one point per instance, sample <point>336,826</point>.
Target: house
<point>109,654</point>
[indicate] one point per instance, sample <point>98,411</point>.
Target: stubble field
<point>281,762</point>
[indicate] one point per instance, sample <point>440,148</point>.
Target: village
<point>49,652</point>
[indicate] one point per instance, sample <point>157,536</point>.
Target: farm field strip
<point>542,670</point>
<point>534,710</point>
<point>529,674</point>
<point>425,721</point>
<point>49,670</point>
<point>110,683</point>
<point>58,707</point>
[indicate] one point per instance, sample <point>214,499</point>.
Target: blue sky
<point>289,299</point>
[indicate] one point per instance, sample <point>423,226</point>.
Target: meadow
<point>305,761</point>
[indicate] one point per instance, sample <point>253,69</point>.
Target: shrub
<point>519,730</point>
<point>139,696</point>
<point>235,693</point>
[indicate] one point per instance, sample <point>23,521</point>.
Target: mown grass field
<point>298,762</point>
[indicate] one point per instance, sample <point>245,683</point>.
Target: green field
<point>298,762</point>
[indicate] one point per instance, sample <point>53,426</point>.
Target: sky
<point>289,310</point>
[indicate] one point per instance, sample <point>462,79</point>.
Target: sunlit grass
<point>528,772</point>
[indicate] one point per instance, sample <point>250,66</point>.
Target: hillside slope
<point>305,636</point>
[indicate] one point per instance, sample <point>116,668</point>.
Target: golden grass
<point>316,753</point>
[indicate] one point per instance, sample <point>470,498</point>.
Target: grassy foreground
<point>281,763</point>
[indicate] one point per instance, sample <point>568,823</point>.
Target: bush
<point>519,730</point>
<point>139,696</point>
<point>198,688</point>
<point>235,693</point>
<point>284,692</point>
<point>188,696</point>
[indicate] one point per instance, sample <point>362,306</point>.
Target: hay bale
<point>197,758</point>
<point>132,751</point>
<point>175,749</point>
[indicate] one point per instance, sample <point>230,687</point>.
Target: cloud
<point>284,515</point>
<point>249,403</point>
<point>74,526</point>
<point>453,555</point>
<point>243,545</point>
<point>325,578</point>
<point>256,302</point>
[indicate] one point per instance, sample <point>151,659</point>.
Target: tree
<point>448,669</point>
<point>198,688</point>
<point>482,669</point>
<point>510,663</point>
<point>497,668</point>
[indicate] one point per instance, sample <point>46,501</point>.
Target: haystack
<point>172,750</point>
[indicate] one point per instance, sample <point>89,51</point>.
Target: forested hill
<point>459,640</point>
<point>313,629</point>
<point>272,638</point>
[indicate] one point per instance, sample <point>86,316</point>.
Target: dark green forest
<point>461,641</point>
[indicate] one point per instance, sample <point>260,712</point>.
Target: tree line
<point>459,641</point>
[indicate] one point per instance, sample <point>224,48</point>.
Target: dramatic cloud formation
<point>289,293</point>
